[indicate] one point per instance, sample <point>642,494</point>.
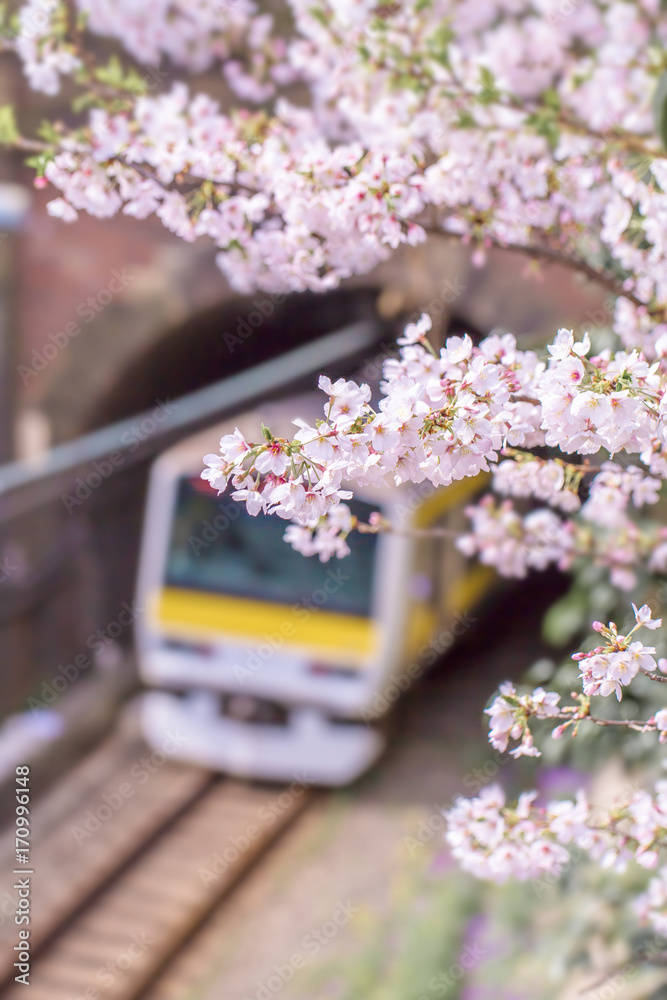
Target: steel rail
<point>27,485</point>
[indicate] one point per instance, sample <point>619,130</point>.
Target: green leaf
<point>135,83</point>
<point>39,163</point>
<point>660,108</point>
<point>319,15</point>
<point>379,22</point>
<point>84,101</point>
<point>409,82</point>
<point>438,44</point>
<point>442,36</point>
<point>111,74</point>
<point>442,57</point>
<point>550,131</point>
<point>48,133</point>
<point>545,123</point>
<point>9,133</point>
<point>465,120</point>
<point>551,99</point>
<point>489,91</point>
<point>13,25</point>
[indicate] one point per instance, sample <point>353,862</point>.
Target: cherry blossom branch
<point>640,725</point>
<point>653,676</point>
<point>605,670</point>
<point>526,132</point>
<point>386,527</point>
<point>495,841</point>
<point>537,251</point>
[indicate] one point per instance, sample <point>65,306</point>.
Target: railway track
<point>131,852</point>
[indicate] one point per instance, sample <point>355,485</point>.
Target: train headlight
<point>181,646</point>
<point>331,670</point>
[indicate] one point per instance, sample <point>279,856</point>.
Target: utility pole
<point>14,204</point>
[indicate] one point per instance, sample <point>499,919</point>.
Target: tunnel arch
<point>198,352</point>
<point>226,339</point>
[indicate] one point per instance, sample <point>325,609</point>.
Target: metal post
<point>14,203</point>
<point>27,485</point>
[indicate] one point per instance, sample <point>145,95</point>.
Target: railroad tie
<point>116,946</point>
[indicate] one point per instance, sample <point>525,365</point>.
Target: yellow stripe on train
<point>469,589</point>
<point>448,497</point>
<point>197,614</point>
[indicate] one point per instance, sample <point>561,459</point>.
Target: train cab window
<point>216,546</point>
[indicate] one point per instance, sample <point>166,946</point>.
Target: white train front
<point>272,665</point>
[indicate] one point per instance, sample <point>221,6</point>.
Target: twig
<point>654,677</point>
<point>572,262</point>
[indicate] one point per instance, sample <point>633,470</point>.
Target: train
<point>271,665</point>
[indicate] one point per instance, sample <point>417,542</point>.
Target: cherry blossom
<point>512,544</point>
<point>651,906</point>
<point>516,130</point>
<point>505,124</point>
<point>447,415</point>
<point>545,480</point>
<point>509,716</point>
<point>493,840</point>
<point>438,421</point>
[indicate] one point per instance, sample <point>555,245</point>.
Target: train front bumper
<point>309,748</point>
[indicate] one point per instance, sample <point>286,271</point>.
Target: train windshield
<point>216,546</point>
